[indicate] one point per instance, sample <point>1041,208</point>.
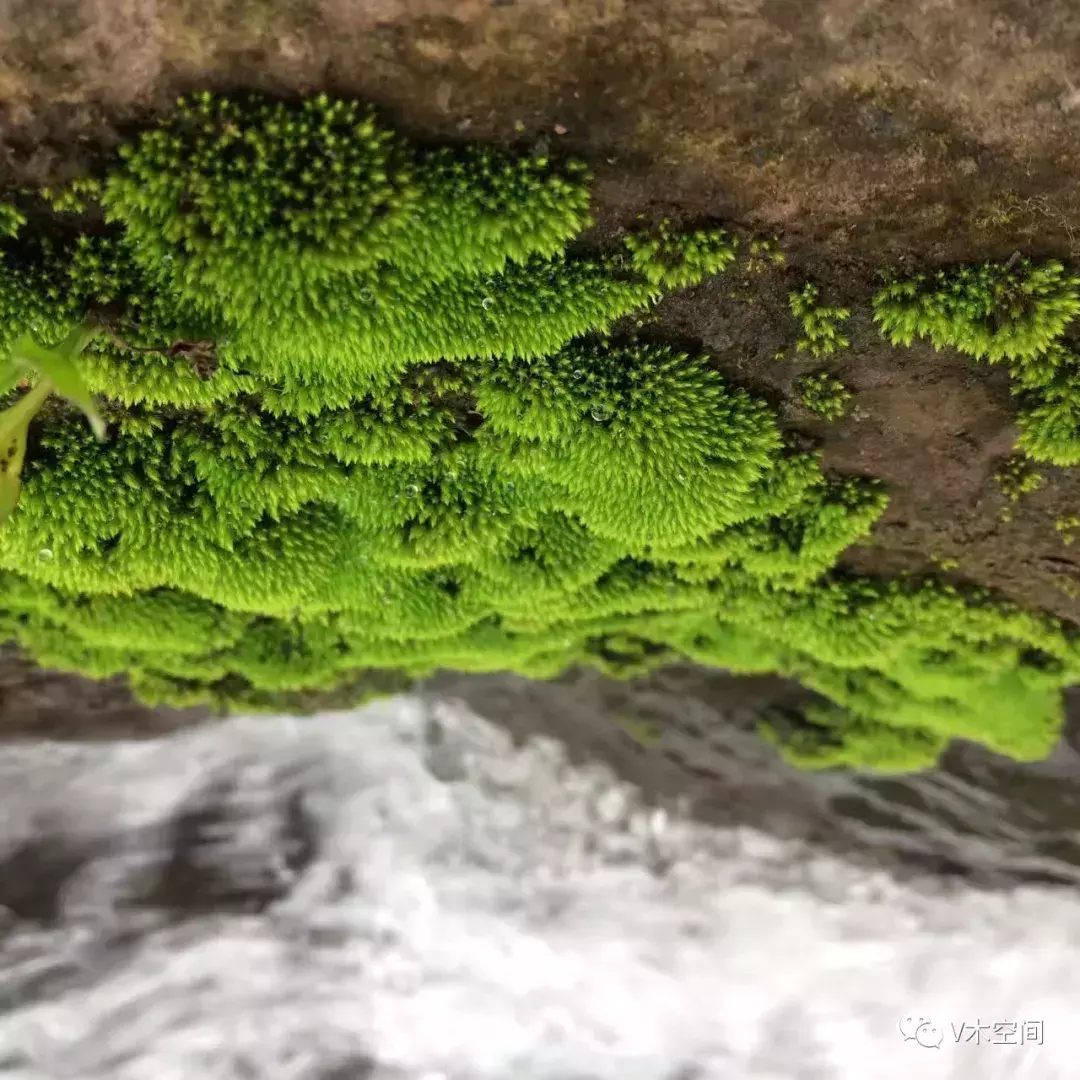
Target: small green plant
<point>945,563</point>
<point>1066,528</point>
<point>830,736</point>
<point>821,324</point>
<point>12,219</point>
<point>55,371</point>
<point>74,197</point>
<point>824,395</point>
<point>999,213</point>
<point>1017,478</point>
<point>764,254</point>
<point>676,260</point>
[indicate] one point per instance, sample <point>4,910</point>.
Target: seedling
<point>56,373</point>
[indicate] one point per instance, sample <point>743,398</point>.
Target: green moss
<point>646,445</point>
<point>673,260</point>
<point>370,418</point>
<point>820,324</point>
<point>1017,312</point>
<point>996,311</point>
<point>1017,478</point>
<point>824,395</point>
<point>1066,528</point>
<point>1049,419</point>
<point>764,254</point>
<point>12,219</point>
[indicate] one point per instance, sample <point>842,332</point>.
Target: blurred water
<point>977,815</point>
<point>401,892</point>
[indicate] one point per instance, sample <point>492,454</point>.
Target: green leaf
<point>57,365</point>
<point>14,425</point>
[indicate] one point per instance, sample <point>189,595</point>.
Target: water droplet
<point>490,283</point>
<point>487,303</point>
<point>412,491</point>
<point>45,554</point>
<point>578,373</point>
<point>367,295</point>
<point>602,413</point>
<point>681,477</point>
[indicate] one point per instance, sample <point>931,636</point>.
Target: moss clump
<point>1066,527</point>
<point>369,418</point>
<point>1017,312</point>
<point>996,311</point>
<point>674,260</point>
<point>909,664</point>
<point>824,395</point>
<point>1017,478</point>
<point>820,324</point>
<point>1049,417</point>
<point>324,249</point>
<point>763,254</point>
<point>12,219</point>
<point>645,445</point>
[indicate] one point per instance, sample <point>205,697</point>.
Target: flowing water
<point>413,892</point>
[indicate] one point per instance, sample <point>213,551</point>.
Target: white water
<point>517,919</point>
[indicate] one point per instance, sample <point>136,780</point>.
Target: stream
<point>487,879</point>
